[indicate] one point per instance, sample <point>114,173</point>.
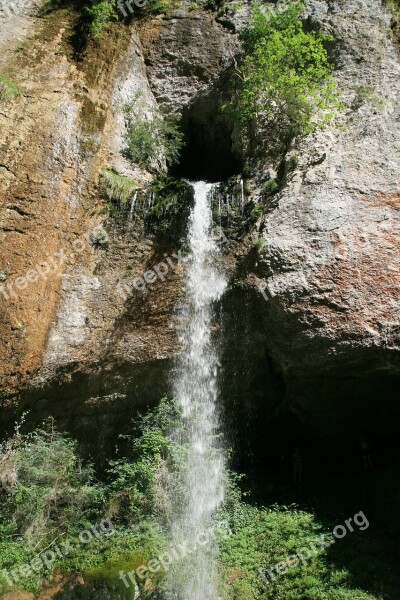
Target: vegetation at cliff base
<point>48,495</point>
<point>285,77</point>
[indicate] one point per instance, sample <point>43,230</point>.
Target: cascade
<point>196,392</point>
<point>132,208</point>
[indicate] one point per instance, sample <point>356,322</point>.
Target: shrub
<point>270,187</point>
<point>136,480</point>
<point>8,89</point>
<point>100,13</point>
<point>152,136</point>
<point>46,486</point>
<point>285,77</point>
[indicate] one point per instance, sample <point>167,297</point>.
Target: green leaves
<point>152,136</point>
<point>286,74</point>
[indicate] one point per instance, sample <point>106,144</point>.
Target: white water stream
<point>196,391</point>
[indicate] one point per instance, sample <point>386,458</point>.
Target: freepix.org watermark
<point>158,272</point>
<point>359,521</point>
<point>126,6</point>
<point>45,560</point>
<point>51,264</point>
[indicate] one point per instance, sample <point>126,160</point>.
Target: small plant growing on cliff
<point>285,78</point>
<point>99,237</point>
<point>8,89</point>
<point>365,94</point>
<point>271,187</point>
<point>117,188</point>
<point>153,136</point>
<point>100,13</point>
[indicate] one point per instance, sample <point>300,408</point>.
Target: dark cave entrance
<point>212,146</point>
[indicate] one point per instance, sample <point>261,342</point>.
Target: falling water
<point>196,391</point>
<point>132,208</point>
<point>241,195</point>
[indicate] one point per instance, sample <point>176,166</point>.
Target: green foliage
<point>166,191</point>
<point>152,136</point>
<point>136,481</point>
<point>100,13</point>
<point>8,89</point>
<point>256,212</point>
<point>116,187</point>
<point>47,487</point>
<point>262,537</point>
<point>259,243</point>
<point>264,22</point>
<point>285,77</point>
<point>270,187</point>
<point>47,493</point>
<point>47,490</point>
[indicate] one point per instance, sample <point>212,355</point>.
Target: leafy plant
<point>46,486</point>
<point>270,187</point>
<point>285,77</point>
<point>136,480</point>
<point>152,136</point>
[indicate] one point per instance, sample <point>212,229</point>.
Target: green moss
<point>8,89</point>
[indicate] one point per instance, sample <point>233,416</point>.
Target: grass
<point>8,89</point>
<point>116,187</point>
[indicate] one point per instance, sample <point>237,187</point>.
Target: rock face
<point>331,310</point>
<point>316,326</point>
<point>74,337</point>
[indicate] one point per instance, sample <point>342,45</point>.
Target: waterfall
<point>196,392</point>
<point>241,196</point>
<point>132,208</point>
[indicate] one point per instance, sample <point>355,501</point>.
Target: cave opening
<point>211,150</point>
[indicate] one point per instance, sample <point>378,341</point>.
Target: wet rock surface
<point>316,329</point>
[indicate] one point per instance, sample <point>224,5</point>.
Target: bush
<point>136,480</point>
<point>285,77</point>
<point>270,187</point>
<point>46,486</point>
<point>100,13</point>
<point>99,237</point>
<point>151,137</point>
